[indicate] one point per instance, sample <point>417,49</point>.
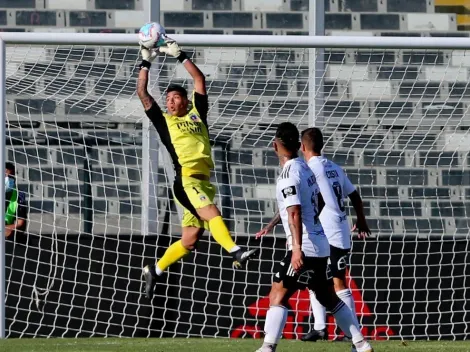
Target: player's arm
<point>173,49</point>
<point>361,223</point>
<point>200,99</point>
<point>144,96</point>
<point>151,107</point>
<point>290,190</point>
<point>294,219</point>
<point>198,77</point>
<point>18,224</point>
<point>270,226</point>
<point>147,57</point>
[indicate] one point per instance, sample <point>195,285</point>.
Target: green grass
<point>212,345</point>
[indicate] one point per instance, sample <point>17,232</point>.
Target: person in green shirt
<point>16,209</point>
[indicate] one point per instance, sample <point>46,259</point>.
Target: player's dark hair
<point>177,88</point>
<point>313,139</point>
<point>288,134</point>
<point>11,167</point>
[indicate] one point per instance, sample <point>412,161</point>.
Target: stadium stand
<point>51,172</point>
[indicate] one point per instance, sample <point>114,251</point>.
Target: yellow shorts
<point>193,194</point>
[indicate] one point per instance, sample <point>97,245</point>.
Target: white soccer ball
<point>152,35</point>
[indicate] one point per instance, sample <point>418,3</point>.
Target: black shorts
<point>315,273</point>
<point>339,261</point>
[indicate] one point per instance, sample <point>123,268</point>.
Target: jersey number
<point>339,195</point>
<point>314,200</point>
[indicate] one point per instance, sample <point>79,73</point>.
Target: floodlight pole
<point>3,278</point>
<point>149,210</point>
<point>316,63</point>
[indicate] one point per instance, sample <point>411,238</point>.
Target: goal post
<point>394,112</point>
<point>150,149</point>
<point>2,189</point>
<point>316,27</point>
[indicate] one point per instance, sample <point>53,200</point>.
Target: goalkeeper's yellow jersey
<point>186,137</point>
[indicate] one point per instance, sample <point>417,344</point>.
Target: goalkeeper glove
<point>147,57</point>
<point>173,49</point>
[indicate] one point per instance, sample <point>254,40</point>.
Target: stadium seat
<point>405,167</point>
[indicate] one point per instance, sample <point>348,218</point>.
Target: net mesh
<point>397,120</point>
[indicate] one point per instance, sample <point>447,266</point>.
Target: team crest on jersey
<point>194,118</point>
<point>289,191</point>
<point>202,198</point>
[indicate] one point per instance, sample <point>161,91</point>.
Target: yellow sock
<point>174,253</point>
<point>221,233</point>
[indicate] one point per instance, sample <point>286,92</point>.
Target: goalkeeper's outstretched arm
<point>197,75</point>
<point>174,50</point>
<point>142,91</point>
<point>147,58</point>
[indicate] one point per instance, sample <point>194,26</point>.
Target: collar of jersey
<point>290,161</point>
<point>316,157</point>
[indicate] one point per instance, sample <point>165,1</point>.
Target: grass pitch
<point>212,345</point>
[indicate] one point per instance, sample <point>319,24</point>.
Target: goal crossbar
<point>358,42</point>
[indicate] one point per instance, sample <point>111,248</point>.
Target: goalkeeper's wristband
<point>145,64</point>
<point>182,57</point>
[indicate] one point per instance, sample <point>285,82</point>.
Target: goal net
<point>397,120</point>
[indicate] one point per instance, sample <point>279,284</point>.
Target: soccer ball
<point>152,35</point>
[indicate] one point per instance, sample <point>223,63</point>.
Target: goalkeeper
<point>184,132</point>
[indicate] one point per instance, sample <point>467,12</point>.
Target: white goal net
<point>396,119</point>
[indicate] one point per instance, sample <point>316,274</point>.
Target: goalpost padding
<point>395,117</point>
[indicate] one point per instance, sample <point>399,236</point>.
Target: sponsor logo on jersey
<point>289,191</point>
<point>189,127</point>
<point>332,174</point>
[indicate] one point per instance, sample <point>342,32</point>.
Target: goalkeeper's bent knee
<point>174,253</point>
<point>221,233</point>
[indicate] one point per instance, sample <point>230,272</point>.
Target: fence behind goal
<point>394,112</point>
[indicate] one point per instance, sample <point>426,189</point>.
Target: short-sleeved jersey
<point>334,186</point>
<point>186,137</point>
<point>296,185</point>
